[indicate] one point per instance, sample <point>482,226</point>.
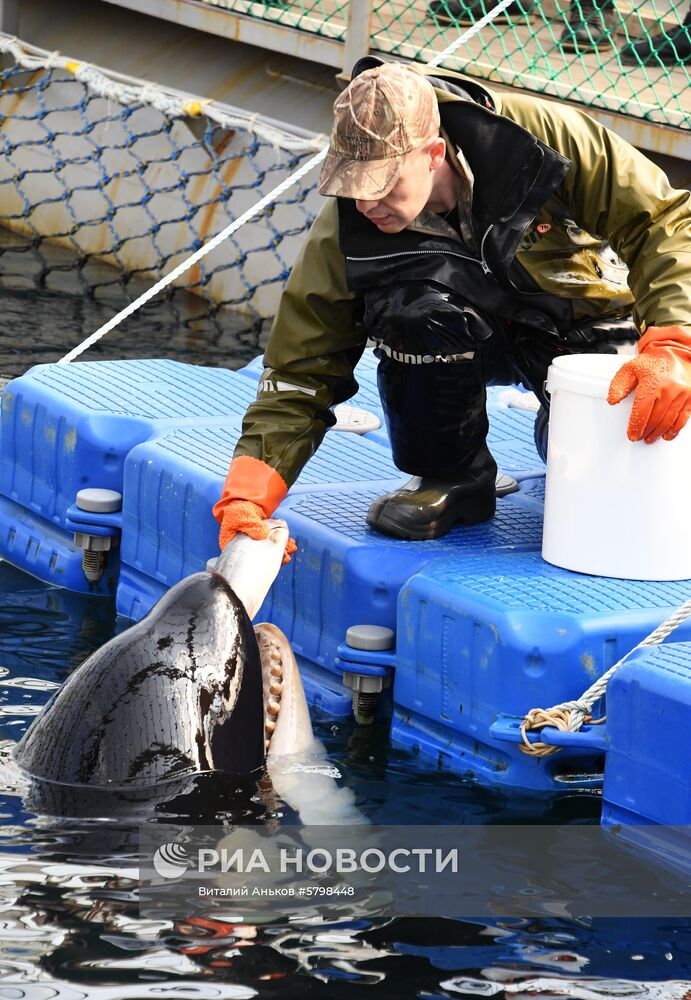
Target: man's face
<point>411,192</point>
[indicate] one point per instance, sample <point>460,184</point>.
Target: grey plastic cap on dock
<point>370,637</point>
<point>99,501</point>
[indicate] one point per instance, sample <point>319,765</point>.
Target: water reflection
<point>45,632</point>
<point>40,324</point>
<point>78,929</point>
<point>587,989</point>
<point>70,924</point>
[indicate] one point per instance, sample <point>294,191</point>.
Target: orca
<point>192,690</point>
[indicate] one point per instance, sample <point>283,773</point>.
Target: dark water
<point>47,309</point>
<point>69,921</point>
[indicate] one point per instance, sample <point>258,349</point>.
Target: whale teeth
<point>270,725</point>
<point>276,671</point>
<point>273,708</point>
<point>267,744</point>
<point>276,656</point>
<point>275,688</point>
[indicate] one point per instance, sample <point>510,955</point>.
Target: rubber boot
<point>590,25</point>
<point>429,506</point>
<point>671,47</point>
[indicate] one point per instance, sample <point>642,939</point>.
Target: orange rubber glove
<point>244,516</point>
<point>252,491</point>
<point>661,376</point>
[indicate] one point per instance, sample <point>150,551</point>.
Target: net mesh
<point>106,184</point>
<point>624,56</point>
<point>105,187</point>
<point>328,18</point>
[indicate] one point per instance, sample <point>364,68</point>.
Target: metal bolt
<point>365,705</point>
<point>93,564</point>
<point>366,691</point>
<point>94,556</point>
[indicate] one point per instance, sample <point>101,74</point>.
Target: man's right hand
<point>244,516</point>
<point>252,491</point>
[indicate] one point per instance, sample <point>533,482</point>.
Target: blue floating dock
<point>485,629</point>
<point>69,427</point>
<point>647,786</point>
<point>649,758</point>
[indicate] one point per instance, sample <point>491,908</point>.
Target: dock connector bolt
<point>95,547</point>
<point>368,685</point>
<point>366,691</point>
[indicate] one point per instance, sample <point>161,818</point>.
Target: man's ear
<point>437,152</point>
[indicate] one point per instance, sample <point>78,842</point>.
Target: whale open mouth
<point>273,688</point>
<point>287,725</point>
<point>250,567</point>
<point>297,771</point>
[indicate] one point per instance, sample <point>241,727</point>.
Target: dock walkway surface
<point>484,628</point>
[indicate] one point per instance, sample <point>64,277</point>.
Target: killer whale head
<point>191,688</point>
<point>192,706</point>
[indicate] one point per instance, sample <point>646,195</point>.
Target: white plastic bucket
<point>613,507</point>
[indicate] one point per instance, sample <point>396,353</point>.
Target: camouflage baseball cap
<point>381,116</point>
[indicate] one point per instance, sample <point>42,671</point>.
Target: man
<point>458,233</point>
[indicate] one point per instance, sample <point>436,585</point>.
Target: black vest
<point>514,174</point>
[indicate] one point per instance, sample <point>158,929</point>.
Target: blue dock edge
<point>647,787</point>
<point>485,629</point>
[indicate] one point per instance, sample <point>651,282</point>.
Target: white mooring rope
<point>465,36</point>
<point>195,257</point>
<point>92,77</point>
<point>570,715</point>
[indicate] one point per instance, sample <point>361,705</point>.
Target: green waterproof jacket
<point>612,198</point>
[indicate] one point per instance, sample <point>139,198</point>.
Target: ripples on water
<point>69,922</point>
<point>40,325</point>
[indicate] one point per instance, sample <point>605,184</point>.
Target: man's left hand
<point>661,377</point>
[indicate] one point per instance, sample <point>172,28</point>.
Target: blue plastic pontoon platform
<point>649,758</point>
<point>485,630</point>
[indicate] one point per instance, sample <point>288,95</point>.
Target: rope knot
<point>567,717</point>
